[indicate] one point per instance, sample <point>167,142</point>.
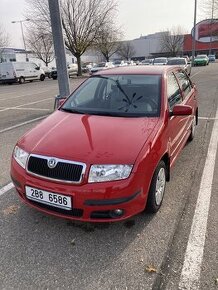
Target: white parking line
<point>32,103</point>
<point>207,118</point>
<point>31,109</point>
<point>190,276</point>
<point>196,74</point>
<point>6,188</point>
<point>22,124</point>
<point>21,96</point>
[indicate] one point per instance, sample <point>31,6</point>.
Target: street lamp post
<point>21,25</point>
<point>194,34</point>
<point>211,23</point>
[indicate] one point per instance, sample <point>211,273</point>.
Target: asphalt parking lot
<point>145,252</point>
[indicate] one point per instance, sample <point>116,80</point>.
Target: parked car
<point>20,72</point>
<point>212,57</point>
<point>130,62</point>
<point>201,59</point>
<point>85,68</point>
<point>72,70</point>
<point>101,66</point>
<point>107,152</point>
<point>145,62</point>
<point>119,63</point>
<point>160,61</point>
<point>182,62</point>
<point>47,71</point>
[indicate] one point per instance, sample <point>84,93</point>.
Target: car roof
<point>144,70</point>
<point>177,57</point>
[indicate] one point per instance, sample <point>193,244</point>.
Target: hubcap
<point>160,186</point>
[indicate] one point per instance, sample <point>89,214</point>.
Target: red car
<point>107,152</point>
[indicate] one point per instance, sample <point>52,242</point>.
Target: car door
<point>188,94</point>
<point>35,70</point>
<point>176,124</point>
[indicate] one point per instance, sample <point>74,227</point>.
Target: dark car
<point>72,69</point>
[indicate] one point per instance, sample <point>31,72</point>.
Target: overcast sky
<point>137,17</point>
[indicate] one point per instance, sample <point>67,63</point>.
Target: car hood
<point>89,138</point>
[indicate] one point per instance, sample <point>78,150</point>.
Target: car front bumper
<point>200,62</point>
<point>91,202</point>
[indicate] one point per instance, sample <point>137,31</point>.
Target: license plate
<point>49,198</point>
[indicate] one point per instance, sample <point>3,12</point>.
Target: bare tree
<point>4,41</point>
<point>38,13</point>
<point>4,38</point>
<point>41,44</point>
<point>171,41</point>
<point>209,8</point>
<point>126,50</point>
<point>82,22</point>
<point>108,41</point>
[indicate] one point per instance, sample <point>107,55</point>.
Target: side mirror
<point>59,102</point>
<point>37,68</point>
<point>181,110</point>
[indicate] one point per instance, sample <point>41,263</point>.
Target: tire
<point>157,188</point>
<point>42,78</point>
<point>193,127</point>
<point>21,80</point>
<point>54,78</point>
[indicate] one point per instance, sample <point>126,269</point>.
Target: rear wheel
<point>42,77</point>
<point>157,188</point>
<point>21,80</point>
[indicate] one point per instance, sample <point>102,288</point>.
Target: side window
<point>173,91</point>
<point>88,93</point>
<point>184,83</point>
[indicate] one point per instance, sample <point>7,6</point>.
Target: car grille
<point>64,170</point>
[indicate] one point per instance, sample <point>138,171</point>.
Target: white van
<point>12,72</point>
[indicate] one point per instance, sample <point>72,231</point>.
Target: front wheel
<point>157,188</point>
<point>42,77</point>
<point>21,80</point>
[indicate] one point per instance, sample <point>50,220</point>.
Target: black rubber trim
<point>97,202</point>
<point>15,182</point>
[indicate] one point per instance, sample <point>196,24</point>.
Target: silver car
<point>182,62</point>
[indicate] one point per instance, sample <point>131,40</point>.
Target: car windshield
<point>201,56</point>
<point>117,95</point>
<point>160,60</point>
<point>176,61</point>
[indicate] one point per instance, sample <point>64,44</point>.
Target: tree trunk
<point>78,58</point>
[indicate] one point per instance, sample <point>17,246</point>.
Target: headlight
<point>101,173</point>
<point>20,156</point>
